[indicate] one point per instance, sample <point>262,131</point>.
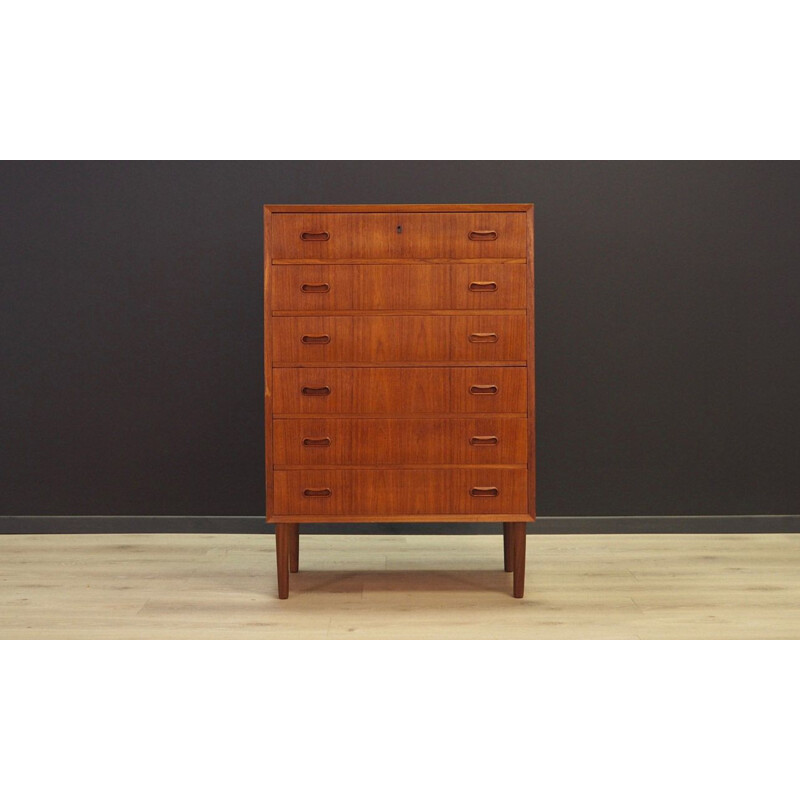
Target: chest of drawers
<point>399,369</point>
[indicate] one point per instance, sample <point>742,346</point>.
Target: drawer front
<point>399,390</point>
<point>366,442</point>
<point>388,287</point>
<point>384,235</point>
<point>487,286</point>
<point>481,337</point>
<point>398,338</point>
<point>368,492</point>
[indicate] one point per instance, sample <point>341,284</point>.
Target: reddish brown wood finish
<point>341,493</point>
<point>294,547</point>
<point>393,287</point>
<point>531,367</point>
<point>399,391</point>
<point>518,542</point>
<point>330,441</point>
<point>268,356</point>
<point>508,548</point>
<point>283,533</point>
<point>407,208</point>
<point>398,339</point>
<point>399,368</point>
<point>398,235</point>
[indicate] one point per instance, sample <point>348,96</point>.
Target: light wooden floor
<point>400,587</point>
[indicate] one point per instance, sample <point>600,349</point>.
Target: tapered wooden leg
<point>283,532</point>
<point>508,548</point>
<point>294,547</point>
<point>518,539</point>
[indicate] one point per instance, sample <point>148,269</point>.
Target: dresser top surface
<point>421,208</point>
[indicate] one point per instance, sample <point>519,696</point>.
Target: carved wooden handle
<point>484,491</point>
<point>316,391</point>
<point>324,442</point>
<point>483,286</point>
<point>317,492</point>
<point>477,441</point>
<point>483,236</point>
<point>315,236</point>
<point>312,288</point>
<point>323,339</point>
<point>483,389</point>
<point>483,338</point>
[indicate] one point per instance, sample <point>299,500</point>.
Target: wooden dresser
<point>399,369</point>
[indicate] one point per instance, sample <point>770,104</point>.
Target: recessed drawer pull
<point>316,492</point>
<point>483,236</point>
<point>324,442</point>
<point>318,236</point>
<point>483,338</point>
<point>318,288</point>
<point>483,389</point>
<point>484,491</point>
<point>483,286</point>
<point>477,441</point>
<point>316,391</point>
<point>323,339</point>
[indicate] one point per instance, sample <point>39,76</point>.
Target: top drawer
<point>387,235</point>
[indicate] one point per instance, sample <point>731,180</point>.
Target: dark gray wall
<point>668,329</point>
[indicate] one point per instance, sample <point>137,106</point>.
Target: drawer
<point>388,235</point>
<point>322,441</point>
<point>399,338</point>
<point>399,390</point>
<point>389,287</point>
<point>487,286</point>
<point>371,492</point>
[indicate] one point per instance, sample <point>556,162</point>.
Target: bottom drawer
<point>399,492</point>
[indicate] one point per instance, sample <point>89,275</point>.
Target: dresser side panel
<point>268,384</point>
<point>531,367</point>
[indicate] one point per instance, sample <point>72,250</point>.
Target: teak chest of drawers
<point>399,369</point>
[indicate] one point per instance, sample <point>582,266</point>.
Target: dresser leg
<point>294,547</point>
<point>508,548</point>
<point>283,532</point>
<point>518,539</point>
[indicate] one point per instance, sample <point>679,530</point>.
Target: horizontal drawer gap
<point>431,415</point>
<point>378,261</point>
<point>398,466</point>
<point>412,312</point>
<point>396,364</point>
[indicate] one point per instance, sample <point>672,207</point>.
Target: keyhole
<point>399,228</point>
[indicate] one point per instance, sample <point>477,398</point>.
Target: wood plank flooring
<point>208,586</point>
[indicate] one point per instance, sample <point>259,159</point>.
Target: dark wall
<point>668,329</point>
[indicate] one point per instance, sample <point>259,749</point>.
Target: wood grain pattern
<point>336,441</point>
<point>531,383</point>
<point>391,339</point>
<point>294,548</point>
<point>283,534</point>
<point>399,491</point>
<point>508,548</point>
<point>397,286</point>
<point>395,261</point>
<point>518,546</point>
<point>268,411</point>
<point>399,368</point>
<point>408,208</point>
<point>399,391</point>
<point>391,583</point>
<point>398,235</point>
<point>466,290</point>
